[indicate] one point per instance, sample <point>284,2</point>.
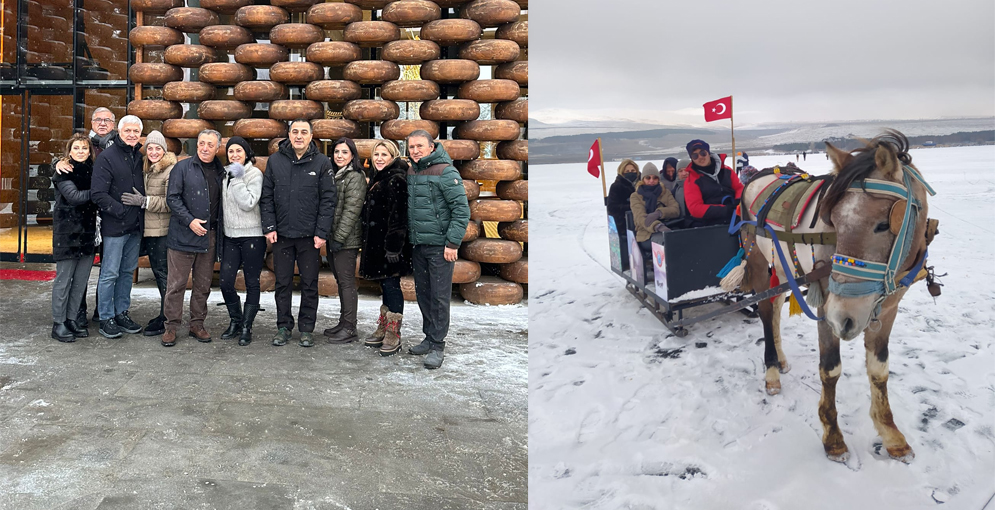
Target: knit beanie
<point>650,169</point>
<point>156,138</point>
<point>238,140</point>
<point>697,144</point>
<point>683,163</point>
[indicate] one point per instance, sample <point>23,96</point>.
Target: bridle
<point>877,277</point>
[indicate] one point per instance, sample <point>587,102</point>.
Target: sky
<point>781,60</point>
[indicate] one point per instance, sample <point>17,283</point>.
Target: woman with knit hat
<point>711,190</point>
<point>158,163</point>
<point>242,244</point>
<point>651,204</point>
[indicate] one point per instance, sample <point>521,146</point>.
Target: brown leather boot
<point>169,338</point>
<point>376,339</point>
<point>200,333</point>
<point>392,334</point>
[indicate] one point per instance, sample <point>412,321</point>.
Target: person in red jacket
<point>712,189</point>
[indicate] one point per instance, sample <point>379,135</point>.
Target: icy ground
<point>624,415</point>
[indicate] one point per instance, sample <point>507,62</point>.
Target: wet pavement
<point>126,423</point>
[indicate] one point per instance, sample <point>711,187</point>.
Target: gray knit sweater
<point>240,199</point>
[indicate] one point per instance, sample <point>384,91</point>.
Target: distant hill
<point>661,142</point>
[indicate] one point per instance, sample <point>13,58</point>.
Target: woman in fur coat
<point>386,254</point>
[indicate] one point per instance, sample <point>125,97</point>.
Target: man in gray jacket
<point>438,214</point>
<point>194,198</point>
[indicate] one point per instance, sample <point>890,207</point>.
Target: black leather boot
<point>247,317</point>
<point>77,331</point>
<point>61,333</point>
<point>235,313</point>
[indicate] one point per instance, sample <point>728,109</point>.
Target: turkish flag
<point>594,159</point>
<point>718,109</point>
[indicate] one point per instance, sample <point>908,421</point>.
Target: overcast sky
<point>781,60</point>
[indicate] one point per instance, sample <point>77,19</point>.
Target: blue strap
<point>909,278</point>
<point>734,227</point>
<point>856,289</point>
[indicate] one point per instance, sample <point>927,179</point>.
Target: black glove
<point>135,199</point>
<point>335,245</point>
<point>653,216</point>
<point>393,257</point>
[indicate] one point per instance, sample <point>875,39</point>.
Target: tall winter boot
<point>247,317</point>
<point>376,339</point>
<point>235,314</point>
<point>392,334</point>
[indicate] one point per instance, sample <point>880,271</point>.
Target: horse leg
<point>760,281</point>
<point>876,346</point>
<point>776,327</point>
<point>829,371</point>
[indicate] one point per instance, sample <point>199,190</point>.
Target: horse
<point>872,216</point>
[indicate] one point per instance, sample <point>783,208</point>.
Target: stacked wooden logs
<point>252,68</point>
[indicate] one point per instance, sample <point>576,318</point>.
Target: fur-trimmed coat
<point>156,187</point>
<point>74,218</point>
<point>385,224</point>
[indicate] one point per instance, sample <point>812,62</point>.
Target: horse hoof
<point>839,457</point>
<point>903,454</point>
<point>785,367</point>
<point>773,388</point>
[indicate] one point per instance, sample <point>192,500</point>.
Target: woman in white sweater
<point>243,244</point>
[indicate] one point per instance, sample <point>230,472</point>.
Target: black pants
<point>301,250</point>
<point>433,288</point>
<point>393,298</point>
<point>344,269</point>
<point>155,248</point>
<point>247,253</point>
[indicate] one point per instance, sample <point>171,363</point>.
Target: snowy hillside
<point>624,415</point>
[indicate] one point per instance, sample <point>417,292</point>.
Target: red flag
<point>594,159</point>
<point>718,109</point>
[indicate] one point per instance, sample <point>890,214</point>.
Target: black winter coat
<point>298,198</point>
<point>117,170</point>
<point>618,201</point>
<point>385,224</point>
<point>74,226</point>
<point>189,197</point>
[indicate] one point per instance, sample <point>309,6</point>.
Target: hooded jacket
<point>711,198</point>
<point>665,203</point>
<point>74,225</point>
<point>189,197</point>
<point>299,195</point>
<point>438,211</point>
<point>116,171</point>
<point>156,187</point>
<point>618,195</point>
<point>385,224</point>
<point>351,187</point>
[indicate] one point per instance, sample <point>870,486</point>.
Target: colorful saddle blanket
<point>790,206</point>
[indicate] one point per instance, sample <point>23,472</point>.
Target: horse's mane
<point>861,165</point>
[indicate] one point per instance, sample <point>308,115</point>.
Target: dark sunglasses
<point>697,154</point>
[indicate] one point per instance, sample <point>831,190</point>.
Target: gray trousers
<point>434,288</point>
<point>69,287</point>
<point>343,264</point>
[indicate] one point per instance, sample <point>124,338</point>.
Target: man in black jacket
<point>297,208</point>
<point>194,198</point>
<point>117,173</point>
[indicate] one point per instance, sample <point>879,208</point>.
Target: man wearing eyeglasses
<point>712,189</point>
<point>102,135</point>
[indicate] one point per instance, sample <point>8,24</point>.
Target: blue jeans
<point>117,264</point>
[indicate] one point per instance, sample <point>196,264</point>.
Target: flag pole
<point>732,133</point>
<point>601,158</point>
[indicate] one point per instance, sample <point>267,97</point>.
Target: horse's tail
<point>737,275</point>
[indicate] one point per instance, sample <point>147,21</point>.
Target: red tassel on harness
<point>774,282</point>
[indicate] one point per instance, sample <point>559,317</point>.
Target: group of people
<point>186,215</point>
<point>695,192</point>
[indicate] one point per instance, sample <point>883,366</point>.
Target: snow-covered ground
<point>624,415</point>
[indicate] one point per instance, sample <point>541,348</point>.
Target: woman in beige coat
<point>651,204</point>
<point>158,163</point>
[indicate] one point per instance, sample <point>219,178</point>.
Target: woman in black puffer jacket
<point>73,235</point>
<point>386,254</point>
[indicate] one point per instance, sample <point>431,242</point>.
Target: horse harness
<point>783,204</point>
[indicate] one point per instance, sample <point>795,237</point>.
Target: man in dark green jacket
<point>437,217</point>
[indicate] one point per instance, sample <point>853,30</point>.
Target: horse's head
<point>868,205</point>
